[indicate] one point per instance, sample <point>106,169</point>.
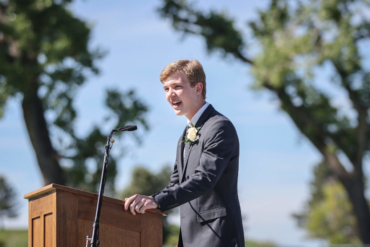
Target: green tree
<point>144,182</point>
<point>332,218</point>
<point>294,40</point>
<point>44,58</point>
<point>328,214</point>
<point>8,201</point>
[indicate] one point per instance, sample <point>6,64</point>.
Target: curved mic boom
<point>94,240</point>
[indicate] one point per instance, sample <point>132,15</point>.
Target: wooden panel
<point>30,227</point>
<point>111,214</point>
<point>54,217</point>
<point>110,236</point>
<point>84,229</point>
<point>48,230</point>
<point>39,207</point>
<point>42,205</point>
<point>151,230</point>
<point>37,232</point>
<point>67,205</point>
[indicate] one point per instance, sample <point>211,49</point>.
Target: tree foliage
<point>259,244</point>
<point>294,41</point>
<point>332,218</point>
<point>328,214</point>
<point>144,182</point>
<point>8,200</point>
<point>45,57</point>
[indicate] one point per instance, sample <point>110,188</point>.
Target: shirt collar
<point>197,115</point>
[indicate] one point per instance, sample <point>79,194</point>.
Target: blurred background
<point>293,77</point>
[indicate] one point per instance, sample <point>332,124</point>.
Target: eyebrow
<point>174,83</point>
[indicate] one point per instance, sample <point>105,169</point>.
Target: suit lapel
<point>203,118</point>
<point>180,153</point>
<point>186,159</point>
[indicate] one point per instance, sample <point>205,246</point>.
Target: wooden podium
<point>60,216</point>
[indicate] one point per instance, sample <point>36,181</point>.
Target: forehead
<point>175,78</point>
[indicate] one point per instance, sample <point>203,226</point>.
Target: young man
<point>204,180</point>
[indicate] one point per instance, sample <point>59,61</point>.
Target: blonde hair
<point>193,71</point>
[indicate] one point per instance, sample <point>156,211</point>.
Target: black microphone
<point>131,127</point>
<point>128,128</point>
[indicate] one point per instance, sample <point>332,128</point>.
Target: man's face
<point>181,96</point>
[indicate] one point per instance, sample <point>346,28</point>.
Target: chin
<point>178,113</point>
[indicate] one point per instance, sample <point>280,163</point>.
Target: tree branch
<point>362,114</point>
<point>243,58</point>
<point>299,114</point>
<point>302,120</point>
<point>34,118</point>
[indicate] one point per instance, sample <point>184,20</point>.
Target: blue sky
<point>276,161</point>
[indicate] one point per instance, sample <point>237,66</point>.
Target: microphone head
<point>130,128</point>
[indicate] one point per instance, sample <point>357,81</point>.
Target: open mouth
<point>176,104</point>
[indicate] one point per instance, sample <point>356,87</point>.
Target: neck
<point>196,109</point>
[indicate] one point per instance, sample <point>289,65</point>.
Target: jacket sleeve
<point>220,142</point>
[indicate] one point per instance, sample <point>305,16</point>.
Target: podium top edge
<point>42,191</point>
<point>48,188</point>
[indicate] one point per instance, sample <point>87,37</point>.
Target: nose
<point>171,92</point>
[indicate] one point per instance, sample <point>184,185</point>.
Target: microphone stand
<point>94,240</point>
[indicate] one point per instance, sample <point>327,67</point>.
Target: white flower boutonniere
<point>192,135</point>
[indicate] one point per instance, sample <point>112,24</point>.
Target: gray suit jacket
<point>206,188</point>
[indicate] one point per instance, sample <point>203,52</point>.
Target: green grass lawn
<point>13,238</point>
<point>19,238</point>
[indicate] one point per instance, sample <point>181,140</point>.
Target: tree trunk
<point>355,189</point>
<point>38,132</point>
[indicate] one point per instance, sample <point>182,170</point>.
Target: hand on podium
<point>140,203</point>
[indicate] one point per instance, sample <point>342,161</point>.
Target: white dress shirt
<point>197,115</point>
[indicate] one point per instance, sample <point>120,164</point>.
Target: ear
<point>199,88</point>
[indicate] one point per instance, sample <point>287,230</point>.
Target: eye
<point>178,87</point>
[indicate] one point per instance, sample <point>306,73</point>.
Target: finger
<point>129,200</point>
<point>143,208</point>
<point>126,203</point>
<point>132,210</point>
<point>149,204</point>
<point>133,204</point>
<point>139,204</point>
